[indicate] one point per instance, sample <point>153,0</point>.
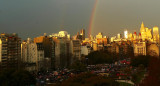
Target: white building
<point>63,34</point>
<point>29,51</point>
<point>31,55</point>
<point>126,34</point>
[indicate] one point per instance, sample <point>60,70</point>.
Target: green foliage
<point>99,57</point>
<point>78,66</point>
<point>88,79</point>
<point>137,77</point>
<point>16,78</point>
<point>140,60</point>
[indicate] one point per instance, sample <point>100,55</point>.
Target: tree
<point>16,78</point>
<point>153,76</point>
<point>138,76</point>
<point>78,66</point>
<point>99,57</point>
<point>140,60</point>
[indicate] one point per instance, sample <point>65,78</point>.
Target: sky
<point>32,18</point>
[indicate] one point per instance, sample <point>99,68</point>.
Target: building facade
<point>10,51</point>
<point>140,48</point>
<point>76,49</point>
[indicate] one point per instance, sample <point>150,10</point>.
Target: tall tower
<point>82,32</point>
<point>142,29</point>
<point>156,34</point>
<point>143,32</point>
<point>126,34</point>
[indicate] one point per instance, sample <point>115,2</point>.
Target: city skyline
<point>110,17</point>
<point>79,42</point>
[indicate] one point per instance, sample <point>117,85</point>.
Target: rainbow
<point>92,18</point>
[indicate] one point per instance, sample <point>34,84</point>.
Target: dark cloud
<point>31,18</point>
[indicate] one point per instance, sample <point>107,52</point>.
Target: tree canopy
<point>140,60</point>
<point>152,78</point>
<point>16,78</point>
<point>78,66</point>
<point>99,57</point>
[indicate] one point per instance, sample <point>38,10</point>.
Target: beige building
<point>95,47</point>
<point>113,48</point>
<point>84,50</point>
<point>99,35</point>
<point>153,49</point>
<point>139,48</point>
<point>156,34</point>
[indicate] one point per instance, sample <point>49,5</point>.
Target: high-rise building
<point>63,53</point>
<point>142,29</point>
<point>82,33</point>
<point>126,34</point>
<point>79,37</point>
<point>44,44</point>
<point>76,49</point>
<point>148,34</point>
<point>29,51</point>
<point>119,36</point>
<point>10,51</point>
<point>156,34</point>
<point>143,32</point>
<point>125,49</point>
<point>113,48</point>
<point>30,55</point>
<point>61,50</point>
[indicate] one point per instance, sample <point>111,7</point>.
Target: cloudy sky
<point>32,18</point>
